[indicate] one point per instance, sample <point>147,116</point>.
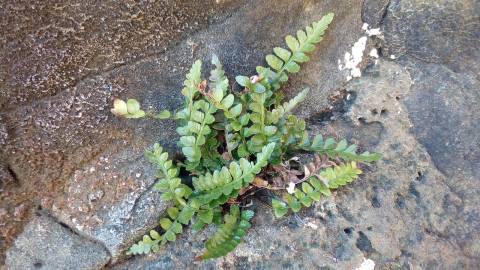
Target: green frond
<point>315,187</point>
<point>293,132</point>
<point>340,175</point>
<point>219,95</point>
<point>341,149</point>
<point>129,109</point>
<point>169,182</point>
<point>194,133</point>
<point>151,242</point>
<point>205,216</point>
<point>225,183</point>
<point>285,61</point>
<point>234,137</point>
<point>283,110</point>
<point>192,82</point>
<point>229,234</point>
<point>258,130</point>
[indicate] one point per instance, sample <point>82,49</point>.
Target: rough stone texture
<point>50,47</point>
<point>443,32</point>
<point>45,244</point>
<point>416,209</point>
<point>55,141</point>
<point>392,215</point>
<point>374,11</point>
<point>112,200</point>
<point>54,99</point>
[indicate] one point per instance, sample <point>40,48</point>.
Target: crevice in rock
<point>385,12</point>
<point>13,174</point>
<point>364,244</point>
<point>43,212</point>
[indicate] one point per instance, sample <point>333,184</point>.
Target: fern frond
<point>341,149</point>
<point>207,215</point>
<point>340,175</point>
<point>229,234</point>
<point>283,110</point>
<point>210,188</point>
<point>316,185</point>
<point>258,131</point>
<point>218,94</point>
<point>234,138</point>
<point>169,183</point>
<point>293,132</point>
<point>193,134</point>
<point>241,176</point>
<point>285,61</point>
<point>129,109</point>
<point>190,89</point>
<point>151,242</point>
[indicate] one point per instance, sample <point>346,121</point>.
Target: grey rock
<point>442,32</point>
<point>112,200</point>
<point>45,244</point>
<point>421,112</point>
<point>374,11</point>
<point>391,215</point>
<point>52,51</point>
<point>444,107</point>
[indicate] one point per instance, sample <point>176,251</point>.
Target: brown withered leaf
<point>244,190</point>
<point>259,182</point>
<point>287,175</point>
<point>313,168</point>
<point>227,156</point>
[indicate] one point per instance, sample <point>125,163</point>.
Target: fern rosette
<point>235,143</point>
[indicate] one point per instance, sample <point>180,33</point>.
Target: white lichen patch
<point>354,58</point>
<point>367,264</point>
<point>371,31</point>
<point>373,53</point>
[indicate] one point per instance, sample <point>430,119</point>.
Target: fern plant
<point>236,142</point>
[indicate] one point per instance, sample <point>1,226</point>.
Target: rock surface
<point>45,244</point>
<point>418,105</point>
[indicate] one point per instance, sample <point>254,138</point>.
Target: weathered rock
<point>58,137</point>
<point>111,200</point>
<point>442,32</point>
<point>48,48</point>
<point>448,132</point>
<point>421,112</point>
<point>390,215</point>
<point>374,11</point>
<point>45,244</point>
